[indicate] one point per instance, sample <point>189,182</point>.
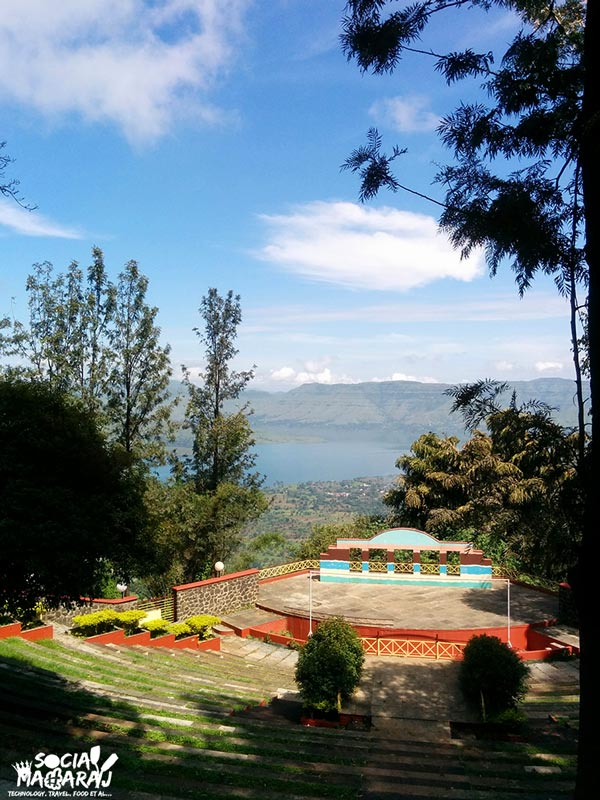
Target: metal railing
<point>165,604</point>
<point>356,566</point>
<point>377,566</point>
<point>288,569</point>
<point>413,648</point>
<point>404,566</point>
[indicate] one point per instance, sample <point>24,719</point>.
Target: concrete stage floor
<point>413,607</point>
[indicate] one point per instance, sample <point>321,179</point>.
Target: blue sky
<point>203,138</point>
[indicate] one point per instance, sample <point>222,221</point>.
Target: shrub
<point>130,620</point>
<point>180,629</point>
<point>157,627</point>
<point>94,623</point>
<point>492,676</point>
<point>330,665</point>
<point>202,624</point>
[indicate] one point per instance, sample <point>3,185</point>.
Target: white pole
<point>508,608</point>
<point>310,631</point>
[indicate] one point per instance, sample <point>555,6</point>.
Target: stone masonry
<point>64,614</point>
<point>216,595</point>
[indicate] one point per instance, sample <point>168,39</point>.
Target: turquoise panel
<point>443,569</point>
<point>455,582</point>
<point>475,569</point>
<point>339,565</point>
<point>390,567</point>
<point>416,568</point>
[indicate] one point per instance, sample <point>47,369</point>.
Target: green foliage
<point>202,624</point>
<point>97,622</point>
<point>130,620</point>
<point>192,531</point>
<point>180,630</point>
<point>514,491</point>
<point>99,342</point>
<point>264,550</point>
<point>492,676</point>
<point>330,665</point>
<point>157,627</point>
<point>322,536</point>
<point>68,502</point>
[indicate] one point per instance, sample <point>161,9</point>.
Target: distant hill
<point>394,412</point>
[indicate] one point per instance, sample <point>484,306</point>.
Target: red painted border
<point>39,633</point>
<point>32,635</point>
<point>12,629</point>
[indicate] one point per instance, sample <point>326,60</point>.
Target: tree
<point>222,441</point>
<point>194,530</point>
<point>216,491</point>
<point>100,342</point>
<point>515,188</point>
<point>330,665</point>
<point>10,187</point>
<point>547,117</point>
<point>68,504</point>
<point>138,402</point>
<point>514,487</point>
<point>492,676</point>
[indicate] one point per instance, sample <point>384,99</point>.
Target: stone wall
<point>64,614</point>
<point>216,596</point>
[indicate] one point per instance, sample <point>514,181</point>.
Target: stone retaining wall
<point>64,614</point>
<point>216,596</point>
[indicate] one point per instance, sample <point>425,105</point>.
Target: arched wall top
<point>403,538</point>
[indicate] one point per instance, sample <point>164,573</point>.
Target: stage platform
<point>419,606</point>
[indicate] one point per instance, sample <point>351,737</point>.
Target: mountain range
<point>393,412</point>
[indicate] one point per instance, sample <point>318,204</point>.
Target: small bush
<point>330,665</point>
<point>130,620</point>
<point>157,627</point>
<point>94,623</point>
<point>492,676</point>
<point>202,624</point>
<point>180,629</point>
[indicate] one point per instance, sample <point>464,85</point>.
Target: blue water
<point>300,462</point>
<point>294,462</point>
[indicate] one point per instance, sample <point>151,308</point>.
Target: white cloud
<point>408,114</point>
<point>401,376</point>
<point>534,306</point>
<point>133,63</point>
<point>548,366</point>
<point>504,366</point>
<point>315,371</point>
<point>31,223</point>
<point>364,248</point>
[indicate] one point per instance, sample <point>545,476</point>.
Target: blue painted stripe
<point>475,569</point>
<point>416,568</point>
<point>447,582</point>
<point>343,566</point>
<point>390,567</point>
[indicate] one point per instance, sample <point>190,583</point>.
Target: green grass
<point>62,699</point>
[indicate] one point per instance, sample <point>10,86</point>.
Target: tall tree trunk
<point>585,576</point>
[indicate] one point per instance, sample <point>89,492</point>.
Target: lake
<point>303,462</point>
<point>300,462</point>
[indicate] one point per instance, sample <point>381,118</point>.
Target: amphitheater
<point>225,724</point>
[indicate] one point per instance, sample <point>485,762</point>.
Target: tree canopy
<point>69,508</point>
<point>99,341</point>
